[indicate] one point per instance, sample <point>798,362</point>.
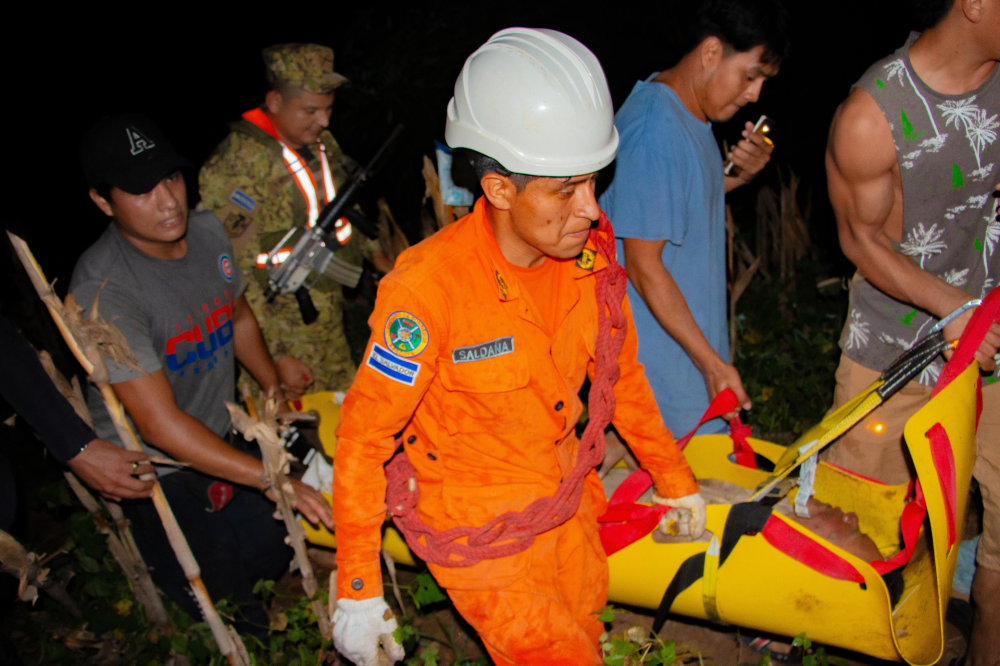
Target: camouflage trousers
<point>321,345</point>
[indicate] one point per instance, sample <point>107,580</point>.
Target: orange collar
<point>589,262</point>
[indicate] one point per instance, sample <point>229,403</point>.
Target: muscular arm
<point>860,165</point>
<point>644,263</point>
<point>862,180</point>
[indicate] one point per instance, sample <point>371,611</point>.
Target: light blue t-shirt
<point>668,185</point>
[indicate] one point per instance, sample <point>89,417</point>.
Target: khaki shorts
<point>875,446</point>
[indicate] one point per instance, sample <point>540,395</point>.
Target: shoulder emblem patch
<point>586,259</point>
<point>243,200</point>
<point>226,267</point>
<point>397,369</point>
<point>484,350</point>
<point>405,335</point>
<point>236,223</point>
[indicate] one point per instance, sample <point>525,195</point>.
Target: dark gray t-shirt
<point>175,313</point>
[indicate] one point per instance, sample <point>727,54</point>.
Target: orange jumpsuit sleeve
<point>638,420</point>
<point>388,387</point>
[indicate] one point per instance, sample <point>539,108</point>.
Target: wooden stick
<point>276,460</point>
<point>88,354</point>
<point>129,559</point>
<point>31,575</point>
<point>121,545</point>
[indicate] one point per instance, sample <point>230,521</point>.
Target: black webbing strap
<point>745,518</point>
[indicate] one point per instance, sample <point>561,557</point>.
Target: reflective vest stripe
<point>300,171</point>
<point>304,179</point>
<point>279,258</point>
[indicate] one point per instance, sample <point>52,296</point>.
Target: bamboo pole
<point>84,344</point>
<point>276,460</point>
<point>121,545</point>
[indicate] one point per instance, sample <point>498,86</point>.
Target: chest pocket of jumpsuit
<point>485,395</point>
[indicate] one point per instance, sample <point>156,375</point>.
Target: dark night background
<point>193,75</point>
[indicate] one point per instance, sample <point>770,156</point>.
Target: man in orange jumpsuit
<point>482,337</point>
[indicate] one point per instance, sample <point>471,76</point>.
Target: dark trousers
<point>235,547</point>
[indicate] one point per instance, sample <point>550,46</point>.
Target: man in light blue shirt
<point>667,201</point>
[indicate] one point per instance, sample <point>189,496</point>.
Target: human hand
<point>111,470</point>
<point>724,375</point>
<point>987,351</point>
<point>361,626</point>
<point>751,154</point>
<point>294,376</point>
<point>309,502</point>
<point>691,507</point>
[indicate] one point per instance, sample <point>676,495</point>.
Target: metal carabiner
<point>974,303</point>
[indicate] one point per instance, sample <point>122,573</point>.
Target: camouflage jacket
<point>247,184</point>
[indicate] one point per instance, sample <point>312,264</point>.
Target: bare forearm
<point>186,439</point>
<point>667,303</point>
<point>251,349</point>
<point>899,276</point>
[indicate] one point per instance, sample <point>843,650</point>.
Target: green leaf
<point>765,659</point>
<point>88,563</point>
<point>667,653</point>
<point>429,656</point>
<point>608,614</point>
<point>427,591</point>
<point>296,634</point>
<point>179,643</point>
<point>801,641</point>
<point>265,588</point>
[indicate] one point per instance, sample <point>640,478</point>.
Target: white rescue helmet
<point>537,102</point>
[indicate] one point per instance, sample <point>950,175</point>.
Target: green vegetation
<point>787,351</point>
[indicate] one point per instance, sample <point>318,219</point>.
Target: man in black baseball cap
<point>128,151</point>
<point>167,280</point>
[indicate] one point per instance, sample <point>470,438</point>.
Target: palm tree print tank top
<point>948,154</point>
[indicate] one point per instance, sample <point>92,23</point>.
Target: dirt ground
<point>715,644</point>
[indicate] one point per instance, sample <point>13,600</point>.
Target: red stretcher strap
<point>944,465</point>
<point>909,524</point>
<point>724,402</point>
<point>804,549</point>
<point>982,318</point>
<point>625,522</point>
<point>743,452</point>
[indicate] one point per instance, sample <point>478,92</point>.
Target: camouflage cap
<point>306,66</point>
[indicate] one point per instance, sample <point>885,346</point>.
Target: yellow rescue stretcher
<point>832,595</point>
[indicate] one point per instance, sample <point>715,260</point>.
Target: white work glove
<point>359,626</point>
<point>690,507</point>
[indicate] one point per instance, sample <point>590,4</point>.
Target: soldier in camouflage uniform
<point>251,184</point>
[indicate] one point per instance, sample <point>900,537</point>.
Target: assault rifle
<point>313,252</point>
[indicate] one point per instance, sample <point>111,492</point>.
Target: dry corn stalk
<point>390,236</point>
<point>30,571</point>
<point>90,340</point>
<point>742,267</point>
<point>121,545</point>
<point>22,565</point>
<point>276,463</point>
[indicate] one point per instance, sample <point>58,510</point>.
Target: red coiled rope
<point>515,531</point>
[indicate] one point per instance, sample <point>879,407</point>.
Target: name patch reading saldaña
<point>483,351</point>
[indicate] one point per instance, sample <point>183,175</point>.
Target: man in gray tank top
<point>912,162</point>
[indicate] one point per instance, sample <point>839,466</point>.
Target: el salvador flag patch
<point>243,200</point>
<point>395,368</point>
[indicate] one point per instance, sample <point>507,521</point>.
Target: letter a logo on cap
<point>138,141</point>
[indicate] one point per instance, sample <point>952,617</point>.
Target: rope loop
<point>515,531</point>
